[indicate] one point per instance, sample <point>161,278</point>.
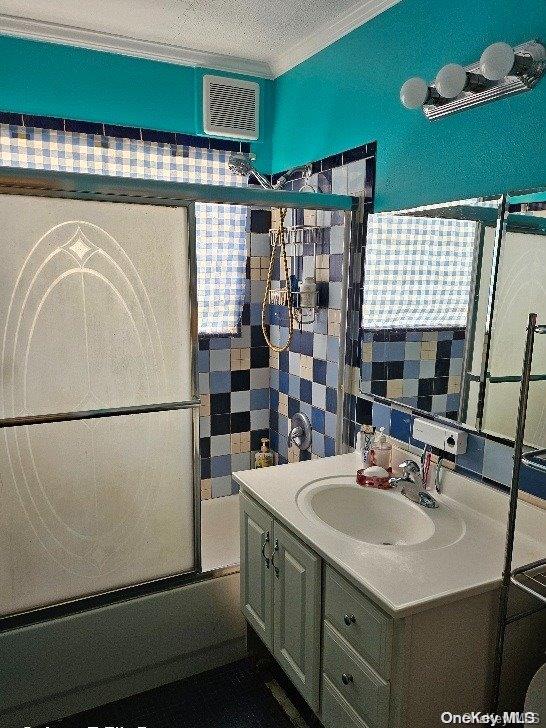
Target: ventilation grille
<point>230,107</point>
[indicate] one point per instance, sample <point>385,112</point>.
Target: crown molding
<point>123,45</point>
<point>329,32</point>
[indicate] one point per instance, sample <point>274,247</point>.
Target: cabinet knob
<point>346,678</point>
<point>349,619</point>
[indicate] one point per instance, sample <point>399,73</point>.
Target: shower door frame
<point>103,188</point>
<point>70,187</point>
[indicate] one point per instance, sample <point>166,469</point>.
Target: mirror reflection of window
<point>418,281</point>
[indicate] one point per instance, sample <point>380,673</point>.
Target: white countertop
<point>402,579</point>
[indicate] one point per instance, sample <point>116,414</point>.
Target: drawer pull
<point>349,619</point>
<point>346,678</point>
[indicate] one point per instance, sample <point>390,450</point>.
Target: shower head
<point>242,163</point>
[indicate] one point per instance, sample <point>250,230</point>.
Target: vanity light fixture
<point>502,70</point>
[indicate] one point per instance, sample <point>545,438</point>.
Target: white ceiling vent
<point>230,107</point>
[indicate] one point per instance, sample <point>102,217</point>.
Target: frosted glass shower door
<point>95,312</point>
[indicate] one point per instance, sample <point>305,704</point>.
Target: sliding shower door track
<point>138,409</point>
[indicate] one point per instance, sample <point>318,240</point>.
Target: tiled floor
<point>233,696</point>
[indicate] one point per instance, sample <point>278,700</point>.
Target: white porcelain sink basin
<point>379,517</point>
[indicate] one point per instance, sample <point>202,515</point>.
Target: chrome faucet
<point>412,488</point>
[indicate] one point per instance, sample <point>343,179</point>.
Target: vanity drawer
<point>359,621</point>
<point>365,691</point>
<point>336,711</point>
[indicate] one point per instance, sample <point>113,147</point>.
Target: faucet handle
<point>409,467</point>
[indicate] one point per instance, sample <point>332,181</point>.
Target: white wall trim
<point>329,33</point>
<point>124,45</point>
<point>127,46</point>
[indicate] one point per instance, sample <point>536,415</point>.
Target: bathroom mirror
<point>519,289</point>
<point>425,299</point>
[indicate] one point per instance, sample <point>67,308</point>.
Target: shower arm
<point>283,179</point>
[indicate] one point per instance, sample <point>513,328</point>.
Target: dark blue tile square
<point>319,371</point>
<point>336,264</point>
<point>306,391</point>
<point>317,419</point>
<point>260,221</point>
<point>83,127</point>
<point>44,122</point>
<point>8,117</point>
<point>159,137</point>
<point>329,446</point>
<point>401,425</point>
<point>283,382</point>
<point>124,132</point>
<point>306,345</point>
<point>331,399</point>
<point>205,468</point>
<point>363,411</point>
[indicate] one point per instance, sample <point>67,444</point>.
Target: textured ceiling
<point>258,30</point>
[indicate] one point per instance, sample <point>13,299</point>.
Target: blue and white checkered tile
<point>397,243</point>
<point>221,229</point>
<point>485,459</point>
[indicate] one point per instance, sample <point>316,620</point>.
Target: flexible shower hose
<point>279,241</point>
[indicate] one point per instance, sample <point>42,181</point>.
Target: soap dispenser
<point>264,458</point>
<point>380,454</point>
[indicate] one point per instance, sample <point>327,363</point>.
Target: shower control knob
<point>349,619</point>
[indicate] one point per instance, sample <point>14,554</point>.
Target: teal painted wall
<point>348,94</point>
<point>57,80</point>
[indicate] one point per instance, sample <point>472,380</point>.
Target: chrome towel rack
<point>532,460</point>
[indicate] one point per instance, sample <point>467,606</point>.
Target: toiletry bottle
<point>364,439</point>
<point>308,290</point>
<point>264,458</point>
<point>381,451</point>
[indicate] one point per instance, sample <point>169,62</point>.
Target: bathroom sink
<point>378,517</point>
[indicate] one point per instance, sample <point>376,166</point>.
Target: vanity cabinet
<point>281,596</point>
<point>356,665</point>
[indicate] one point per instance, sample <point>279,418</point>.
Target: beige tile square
<point>454,384</point>
<point>204,409</point>
<point>306,367</point>
<point>428,350</point>
<point>323,262</point>
<point>321,274</point>
<point>395,388</point>
<point>274,359</point>
<point>245,358</point>
<point>206,489</point>
<point>245,441</point>
<point>283,404</point>
<point>367,352</point>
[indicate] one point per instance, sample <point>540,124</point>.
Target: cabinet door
<point>296,610</point>
<point>256,568</point>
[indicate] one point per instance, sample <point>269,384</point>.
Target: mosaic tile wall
<point>421,369</point>
<point>486,460</point>
<point>234,380</point>
<point>305,377</point>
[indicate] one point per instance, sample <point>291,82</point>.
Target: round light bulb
<point>536,52</point>
<point>451,80</point>
<point>414,93</point>
<point>497,61</point>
